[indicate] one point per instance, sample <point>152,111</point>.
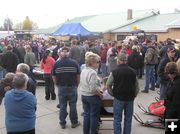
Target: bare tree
<point>8,24</point>
<point>19,26</point>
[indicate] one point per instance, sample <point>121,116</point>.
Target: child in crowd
<point>106,96</point>
<point>5,85</point>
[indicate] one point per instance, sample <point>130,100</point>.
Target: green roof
<point>105,22</point>
<point>80,19</point>
<point>157,23</point>
<point>174,24</point>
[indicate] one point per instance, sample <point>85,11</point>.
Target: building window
<point>152,37</point>
<point>121,37</point>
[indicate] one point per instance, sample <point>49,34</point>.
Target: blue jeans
<point>149,77</point>
<point>91,106</point>
<point>67,94</point>
<point>25,132</point>
<point>163,90</point>
<point>104,70</point>
<point>2,73</point>
<point>158,81</point>
<point>119,107</point>
<point>139,72</point>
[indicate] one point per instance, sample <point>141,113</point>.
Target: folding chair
<point>107,103</point>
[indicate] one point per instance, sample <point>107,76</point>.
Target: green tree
<point>8,24</point>
<point>27,24</point>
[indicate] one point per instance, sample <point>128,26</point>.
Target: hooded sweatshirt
<point>20,107</point>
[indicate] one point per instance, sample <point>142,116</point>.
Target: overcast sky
<point>48,13</point>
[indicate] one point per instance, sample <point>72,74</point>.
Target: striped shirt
<point>66,71</point>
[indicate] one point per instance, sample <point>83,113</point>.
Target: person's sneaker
<point>63,126</point>
<point>157,86</point>
<point>58,106</point>
<point>47,97</point>
<point>75,125</point>
<point>53,97</point>
<point>100,121</point>
<point>145,91</point>
<point>153,89</point>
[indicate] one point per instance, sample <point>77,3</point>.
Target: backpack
<point>157,108</point>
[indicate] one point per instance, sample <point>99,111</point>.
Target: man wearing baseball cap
<point>170,56</point>
<point>122,83</point>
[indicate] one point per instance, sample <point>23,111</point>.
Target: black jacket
<point>17,52</point>
<point>124,83</point>
<point>3,84</point>
<point>9,61</point>
<point>55,53</point>
<point>31,86</point>
<point>161,70</point>
<point>163,50</point>
<point>135,60</point>
<point>172,101</point>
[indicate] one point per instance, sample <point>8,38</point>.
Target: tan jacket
<point>151,56</point>
<point>30,59</point>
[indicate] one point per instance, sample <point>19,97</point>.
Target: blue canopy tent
<point>73,29</point>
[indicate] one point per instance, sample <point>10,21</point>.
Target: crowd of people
<point>81,66</point>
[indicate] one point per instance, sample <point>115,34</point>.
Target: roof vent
<point>129,14</point>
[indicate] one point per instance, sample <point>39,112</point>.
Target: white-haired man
<point>24,68</point>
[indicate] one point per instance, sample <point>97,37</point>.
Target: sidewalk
<point>48,116</point>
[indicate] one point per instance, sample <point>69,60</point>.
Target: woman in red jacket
<point>47,64</point>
